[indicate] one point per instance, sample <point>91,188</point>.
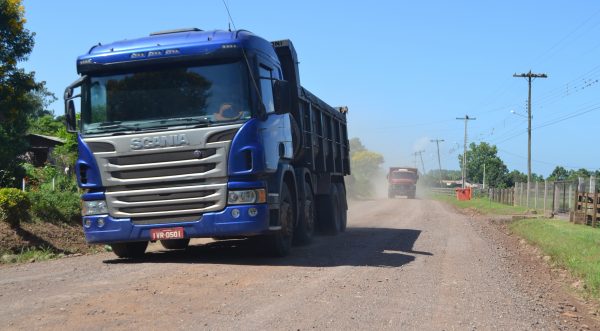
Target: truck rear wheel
<point>343,208</point>
<point>130,250</point>
<point>280,244</point>
<point>306,226</point>
<point>175,243</point>
<point>328,211</point>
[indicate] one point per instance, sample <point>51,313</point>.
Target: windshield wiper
<point>117,125</point>
<point>185,120</point>
<point>113,126</point>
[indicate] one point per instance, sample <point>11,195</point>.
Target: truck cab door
<point>276,129</point>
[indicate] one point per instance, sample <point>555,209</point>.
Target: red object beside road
<point>463,194</point>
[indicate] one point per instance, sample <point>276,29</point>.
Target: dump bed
<point>320,131</point>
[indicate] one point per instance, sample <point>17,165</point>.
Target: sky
<point>406,69</point>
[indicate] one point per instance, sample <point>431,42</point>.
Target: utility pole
<point>437,142</point>
<point>529,76</point>
<point>422,163</point>
<point>415,155</point>
<point>464,167</point>
<point>484,175</point>
<point>420,154</point>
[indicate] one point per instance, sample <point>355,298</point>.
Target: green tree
<point>356,146</point>
<point>559,173</point>
<point>495,169</point>
<point>365,165</point>
<point>46,125</point>
<point>515,176</point>
<point>574,174</point>
<point>17,89</point>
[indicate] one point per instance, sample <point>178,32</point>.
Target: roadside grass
<point>29,254</point>
<point>483,205</point>
<point>571,246</point>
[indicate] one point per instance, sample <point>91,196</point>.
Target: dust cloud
<point>380,184</point>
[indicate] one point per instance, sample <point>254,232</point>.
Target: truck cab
<point>402,181</point>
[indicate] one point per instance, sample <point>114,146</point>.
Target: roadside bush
<point>55,206</point>
<point>41,179</point>
<point>14,206</point>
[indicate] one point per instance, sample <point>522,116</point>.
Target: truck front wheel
<point>175,243</point>
<point>130,250</point>
<point>280,244</point>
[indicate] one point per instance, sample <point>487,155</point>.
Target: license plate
<point>166,234</point>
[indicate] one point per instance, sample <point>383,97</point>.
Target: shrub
<point>14,206</point>
<point>56,206</point>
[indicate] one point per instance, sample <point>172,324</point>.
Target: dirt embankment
<point>55,238</point>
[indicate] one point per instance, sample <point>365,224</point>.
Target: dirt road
<point>402,265</point>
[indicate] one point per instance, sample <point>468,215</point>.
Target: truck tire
<point>130,250</point>
<point>343,210</point>
<point>412,194</point>
<point>304,232</point>
<point>280,244</point>
<point>175,243</point>
<point>328,211</point>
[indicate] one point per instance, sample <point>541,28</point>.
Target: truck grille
<point>166,185</point>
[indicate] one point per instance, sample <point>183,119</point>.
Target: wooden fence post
<point>553,197</point>
<point>520,194</point>
<point>595,212</point>
<point>594,193</point>
<point>572,209</point>
<point>545,194</point>
<point>512,195</point>
<point>536,195</point>
<point>570,206</point>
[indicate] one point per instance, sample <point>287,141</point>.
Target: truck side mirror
<point>282,97</point>
<point>70,118</point>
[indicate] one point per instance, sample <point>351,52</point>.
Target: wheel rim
<point>336,209</point>
<point>287,228</point>
<point>309,214</point>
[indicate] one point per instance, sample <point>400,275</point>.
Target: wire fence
<point>547,197</point>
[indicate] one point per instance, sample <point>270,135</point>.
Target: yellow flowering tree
<point>365,166</point>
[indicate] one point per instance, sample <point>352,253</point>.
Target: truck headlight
<point>239,197</point>
<point>94,207</point>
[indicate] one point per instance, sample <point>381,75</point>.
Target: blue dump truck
<point>189,133</point>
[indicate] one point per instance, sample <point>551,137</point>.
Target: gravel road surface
<point>401,265</point>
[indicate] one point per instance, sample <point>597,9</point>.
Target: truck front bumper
<point>403,189</point>
<point>215,224</point>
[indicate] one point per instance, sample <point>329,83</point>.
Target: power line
<point>437,142</point>
<point>579,112</point>
<point>420,154</point>
<point>540,161</point>
<point>568,37</point>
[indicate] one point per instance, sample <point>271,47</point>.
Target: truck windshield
<point>181,96</point>
<point>403,175</point>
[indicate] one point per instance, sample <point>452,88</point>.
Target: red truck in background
<point>402,181</point>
